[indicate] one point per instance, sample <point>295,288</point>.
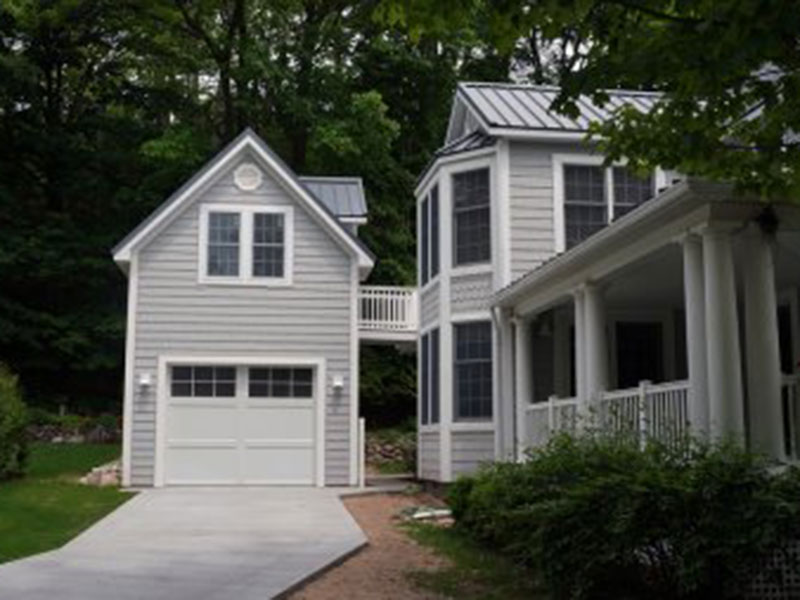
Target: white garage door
<point>240,425</point>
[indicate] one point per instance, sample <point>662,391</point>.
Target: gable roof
<point>172,206</point>
<point>344,196</point>
<point>476,140</point>
<point>506,108</point>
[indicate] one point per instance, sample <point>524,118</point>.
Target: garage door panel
<point>288,465</point>
<point>198,421</point>
<point>239,439</point>
<point>193,464</point>
<point>278,423</point>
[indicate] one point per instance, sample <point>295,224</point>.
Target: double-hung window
<point>594,195</point>
<point>471,217</point>
<point>429,364</point>
<point>472,370</point>
<point>429,236</point>
<point>245,245</point>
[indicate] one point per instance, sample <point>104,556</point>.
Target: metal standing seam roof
<point>472,141</point>
<point>527,107</point>
<point>344,196</point>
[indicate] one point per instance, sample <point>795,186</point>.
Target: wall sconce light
<point>145,381</point>
<point>337,383</point>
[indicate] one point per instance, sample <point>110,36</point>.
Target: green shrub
<point>13,419</point>
<point>601,519</point>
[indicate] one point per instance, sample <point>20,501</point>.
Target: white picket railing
<point>790,394</point>
<point>387,308</point>
<point>658,412</point>
<point>542,419</point>
<point>650,411</point>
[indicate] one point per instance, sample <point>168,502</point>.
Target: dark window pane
<point>268,245</point>
<point>630,190</point>
<point>434,237</point>
<point>258,389</point>
<point>203,389</point>
<point>204,373</point>
<point>302,390</point>
<point>303,375</point>
<point>434,376</point>
<point>425,240</point>
<point>224,389</point>
<point>181,373</point>
<point>425,363</point>
<point>473,370</point>
<point>223,244</point>
<point>259,373</point>
<point>181,389</point>
<point>471,215</point>
<point>225,373</point>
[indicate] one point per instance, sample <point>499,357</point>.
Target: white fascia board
<point>364,260</point>
<point>534,135</point>
<point>449,160</point>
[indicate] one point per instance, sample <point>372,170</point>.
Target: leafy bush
<point>13,418</point>
<point>601,519</point>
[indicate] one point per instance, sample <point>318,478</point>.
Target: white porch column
<point>580,348</point>
<point>503,372</point>
<point>723,355</point>
<point>523,380</point>
<point>694,302</point>
<point>763,353</point>
<point>596,346</point>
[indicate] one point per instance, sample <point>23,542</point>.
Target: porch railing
<point>790,395</point>
<point>649,411</point>
<point>387,308</point>
<point>553,416</point>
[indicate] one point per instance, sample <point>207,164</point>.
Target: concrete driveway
<point>194,543</point>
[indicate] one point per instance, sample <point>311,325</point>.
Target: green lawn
<point>49,507</point>
<point>476,573</point>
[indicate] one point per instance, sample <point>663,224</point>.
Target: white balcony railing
<point>543,419</point>
<point>387,309</point>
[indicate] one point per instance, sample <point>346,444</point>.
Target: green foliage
<point>48,507</point>
<point>601,519</point>
<point>727,68</point>
<point>13,418</point>
<point>475,572</point>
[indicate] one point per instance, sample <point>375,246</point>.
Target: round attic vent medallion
<point>247,176</point>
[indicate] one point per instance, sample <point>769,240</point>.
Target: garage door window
<point>203,381</point>
<point>280,382</point>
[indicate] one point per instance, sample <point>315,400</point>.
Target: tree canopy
<point>729,71</point>
<point>106,107</point>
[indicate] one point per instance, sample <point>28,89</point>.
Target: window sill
<point>476,426</point>
<point>432,428</point>
<point>471,269</point>
<point>250,282</point>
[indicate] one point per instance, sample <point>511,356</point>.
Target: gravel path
<point>380,570</point>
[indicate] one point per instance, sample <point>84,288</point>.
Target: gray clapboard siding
<point>470,292</point>
<point>531,204</point>
<point>470,449</point>
<point>429,303</point>
<point>429,442</point>
<point>178,315</point>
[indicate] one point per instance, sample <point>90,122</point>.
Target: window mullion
<point>608,175</point>
<point>246,245</point>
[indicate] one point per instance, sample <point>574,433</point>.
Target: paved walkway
<point>194,543</point>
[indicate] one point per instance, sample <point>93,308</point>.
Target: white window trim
<point>589,160</point>
<point>486,266</point>
<point>246,217</point>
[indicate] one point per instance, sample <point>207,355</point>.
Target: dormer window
<point>247,245</point>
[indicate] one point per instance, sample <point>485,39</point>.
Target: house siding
<point>429,457</point>
<point>470,449</point>
<point>470,292</point>
<point>429,305</point>
<point>178,315</point>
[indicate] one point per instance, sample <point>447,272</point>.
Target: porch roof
<point>678,210</point>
